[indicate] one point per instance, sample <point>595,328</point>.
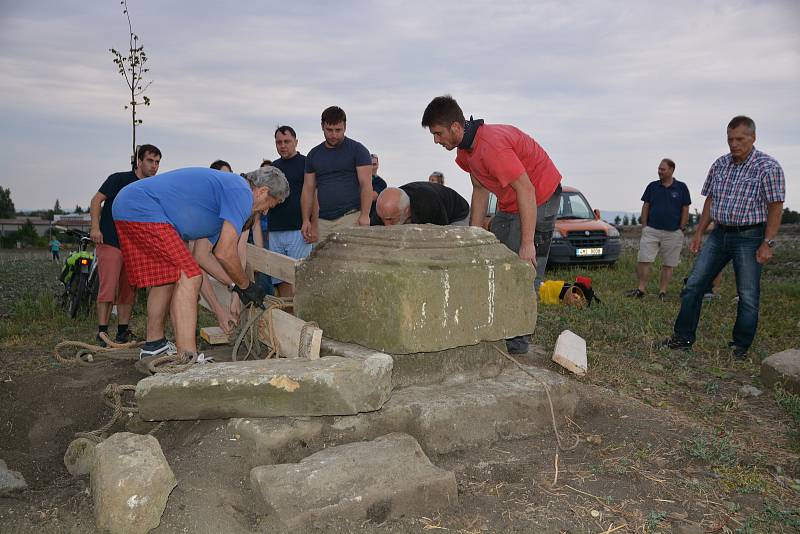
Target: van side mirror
<point>597,214</point>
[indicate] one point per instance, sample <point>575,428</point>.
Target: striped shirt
<point>740,192</point>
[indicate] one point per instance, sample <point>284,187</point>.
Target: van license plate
<point>589,252</point>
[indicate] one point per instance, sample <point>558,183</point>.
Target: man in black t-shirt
<point>286,219</point>
<point>421,203</point>
<point>114,286</point>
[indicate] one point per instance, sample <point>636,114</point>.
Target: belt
<point>728,228</point>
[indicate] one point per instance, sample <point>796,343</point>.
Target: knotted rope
<point>112,397</point>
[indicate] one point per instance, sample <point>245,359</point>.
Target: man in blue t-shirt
<point>338,174</point>
<point>286,219</point>
<point>664,215</point>
<point>155,218</point>
<point>115,289</point>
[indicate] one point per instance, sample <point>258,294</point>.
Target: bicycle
<point>79,276</point>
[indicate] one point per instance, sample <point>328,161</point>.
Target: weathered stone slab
<point>442,418</point>
<point>130,482</point>
<point>266,388</point>
<point>784,368</point>
<point>10,481</point>
<point>416,288</point>
<point>377,480</point>
<point>450,366</point>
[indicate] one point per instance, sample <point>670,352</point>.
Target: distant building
<point>8,226</point>
<point>79,221</point>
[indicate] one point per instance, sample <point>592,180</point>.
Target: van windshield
<point>574,206</point>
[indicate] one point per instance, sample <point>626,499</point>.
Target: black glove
<point>251,294</point>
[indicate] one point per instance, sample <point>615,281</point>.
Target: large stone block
<point>266,388</point>
<point>377,480</point>
<point>443,419</point>
<point>131,481</point>
<point>416,288</point>
<point>784,368</point>
<point>448,366</point>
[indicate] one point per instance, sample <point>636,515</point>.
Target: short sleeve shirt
<point>196,201</point>
<point>666,204</point>
<point>338,189</point>
<point>110,188</point>
<point>500,154</point>
<point>287,215</point>
<point>740,192</point>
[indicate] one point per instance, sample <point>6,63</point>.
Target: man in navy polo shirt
<point>664,215</point>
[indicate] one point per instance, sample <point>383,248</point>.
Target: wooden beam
<point>271,263</point>
<point>288,329</point>
<point>291,335</point>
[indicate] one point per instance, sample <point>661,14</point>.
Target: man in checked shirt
<point>744,192</point>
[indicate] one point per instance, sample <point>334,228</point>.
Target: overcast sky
<point>607,88</point>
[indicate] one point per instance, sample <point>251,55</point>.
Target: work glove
<point>251,294</point>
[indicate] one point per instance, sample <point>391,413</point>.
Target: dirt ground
<point>636,468</point>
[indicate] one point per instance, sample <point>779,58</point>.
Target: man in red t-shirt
<point>504,160</point>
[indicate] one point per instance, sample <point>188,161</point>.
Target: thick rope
<point>248,335</point>
<point>559,445</point>
<point>112,397</point>
<point>88,354</point>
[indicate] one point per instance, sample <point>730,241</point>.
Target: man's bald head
<point>393,206</point>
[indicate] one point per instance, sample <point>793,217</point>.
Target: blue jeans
<point>720,248</point>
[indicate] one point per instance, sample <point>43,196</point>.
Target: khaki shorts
<point>670,244</point>
<point>327,227</point>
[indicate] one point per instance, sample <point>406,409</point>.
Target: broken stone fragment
<point>10,481</point>
<point>784,368</point>
<point>130,482</point>
<point>80,456</point>
<point>375,480</point>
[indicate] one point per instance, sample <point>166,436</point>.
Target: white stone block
<point>570,352</point>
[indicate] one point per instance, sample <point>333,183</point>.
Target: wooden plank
<point>288,330</point>
<point>271,263</point>
<point>214,335</point>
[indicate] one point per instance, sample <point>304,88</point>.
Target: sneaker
<point>662,296</point>
<point>673,343</point>
<point>739,353</point>
<point>125,337</point>
<point>637,293</point>
<point>100,341</point>
<point>167,348</point>
<point>517,345</point>
<point>202,358</point>
<point>708,297</point>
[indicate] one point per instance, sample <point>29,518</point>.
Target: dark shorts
<point>154,254</point>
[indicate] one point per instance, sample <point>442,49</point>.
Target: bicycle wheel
<point>93,287</point>
<point>77,294</point>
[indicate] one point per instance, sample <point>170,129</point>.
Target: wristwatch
<point>231,286</point>
<point>771,243</point>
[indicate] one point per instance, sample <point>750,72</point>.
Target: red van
<point>580,235</point>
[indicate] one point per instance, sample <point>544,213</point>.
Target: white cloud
<point>608,88</point>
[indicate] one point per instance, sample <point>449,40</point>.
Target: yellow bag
<point>550,291</point>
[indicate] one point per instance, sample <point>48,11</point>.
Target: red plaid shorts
<point>154,253</point>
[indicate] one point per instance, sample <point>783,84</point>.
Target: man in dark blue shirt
<point>338,174</point>
<point>664,215</point>
<point>115,288</point>
<point>286,220</point>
